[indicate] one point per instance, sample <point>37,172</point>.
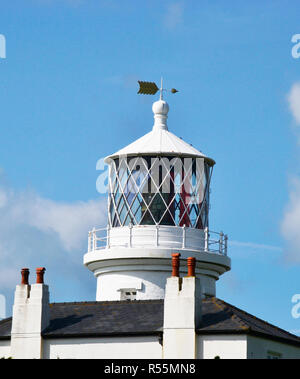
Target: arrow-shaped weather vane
<point>150,88</point>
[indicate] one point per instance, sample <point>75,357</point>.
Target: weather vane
<point>150,88</point>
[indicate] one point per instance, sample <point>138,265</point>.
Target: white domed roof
<point>160,141</point>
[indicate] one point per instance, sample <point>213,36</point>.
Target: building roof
<point>105,318</point>
<point>160,141</point>
<point>5,328</point>
<point>221,317</point>
<point>145,317</point>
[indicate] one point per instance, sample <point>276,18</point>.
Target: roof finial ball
<point>160,109</point>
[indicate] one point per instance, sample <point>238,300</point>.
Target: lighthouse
<point>158,205</point>
<point>156,265</point>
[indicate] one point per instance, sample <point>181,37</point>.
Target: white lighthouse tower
<point>158,204</point>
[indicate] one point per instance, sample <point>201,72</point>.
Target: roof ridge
<point>221,304</point>
<point>259,319</point>
<point>4,320</point>
<point>106,301</point>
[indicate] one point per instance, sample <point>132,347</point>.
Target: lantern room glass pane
<point>159,191</point>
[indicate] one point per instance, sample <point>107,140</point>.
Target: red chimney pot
<point>24,275</point>
<point>40,271</point>
<point>175,264</point>
<point>191,264</point>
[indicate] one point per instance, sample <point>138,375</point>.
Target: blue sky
<point>68,97</point>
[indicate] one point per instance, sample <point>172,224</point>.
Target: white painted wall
<point>224,346</point>
<point>149,284</point>
<point>135,347</point>
<point>148,347</point>
<point>259,348</point>
<point>5,349</point>
<point>243,347</point>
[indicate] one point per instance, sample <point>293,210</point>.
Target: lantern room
<point>158,204</point>
<point>159,180</point>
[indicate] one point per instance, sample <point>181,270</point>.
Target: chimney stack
<point>182,312</point>
<point>31,314</point>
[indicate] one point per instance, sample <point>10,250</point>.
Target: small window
<point>128,295</point>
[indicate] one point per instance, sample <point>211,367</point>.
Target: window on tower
<point>128,294</point>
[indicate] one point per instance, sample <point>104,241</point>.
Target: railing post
<point>108,237</point>
<point>94,239</point>
<point>225,244</point>
<point>221,242</point>
<point>89,241</point>
<point>130,235</point>
<point>183,236</point>
<point>206,239</point>
<point>156,237</point>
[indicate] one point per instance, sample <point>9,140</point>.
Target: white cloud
<point>260,252</point>
<point>294,101</point>
<point>174,15</point>
<point>68,221</point>
<point>255,246</point>
<point>290,225</point>
<point>3,198</point>
<point>35,232</point>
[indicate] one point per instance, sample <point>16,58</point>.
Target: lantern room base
<point>141,274</point>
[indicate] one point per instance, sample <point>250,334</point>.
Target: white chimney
<point>182,312</point>
<point>30,317</point>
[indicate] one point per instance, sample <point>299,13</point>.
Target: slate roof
<point>224,318</point>
<point>116,318</point>
<point>5,328</point>
<point>105,318</point>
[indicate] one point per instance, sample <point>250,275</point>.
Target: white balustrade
<point>156,236</point>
